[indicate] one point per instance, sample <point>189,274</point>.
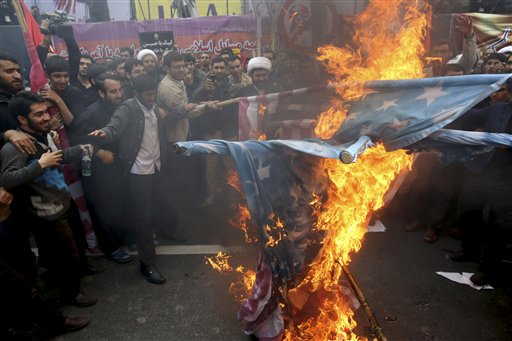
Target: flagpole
<point>21,16</point>
<point>377,330</point>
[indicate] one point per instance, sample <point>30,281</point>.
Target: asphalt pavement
<point>395,270</point>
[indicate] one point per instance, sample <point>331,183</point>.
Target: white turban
<point>259,63</point>
<point>144,53</point>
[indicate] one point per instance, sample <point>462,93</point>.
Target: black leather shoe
<point>120,257</point>
<point>72,324</point>
<point>151,274</point>
<point>82,300</point>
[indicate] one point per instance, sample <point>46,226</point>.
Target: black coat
<point>127,127</point>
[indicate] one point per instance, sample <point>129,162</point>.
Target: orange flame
<point>387,49</point>
<point>243,217</point>
<point>240,288</point>
<point>220,262</point>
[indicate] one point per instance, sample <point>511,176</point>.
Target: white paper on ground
<point>462,278</point>
<point>377,227</point>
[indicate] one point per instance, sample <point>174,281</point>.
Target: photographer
<point>53,25</point>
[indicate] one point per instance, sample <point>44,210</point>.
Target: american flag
<point>279,177</point>
<point>67,6</point>
<point>402,112</point>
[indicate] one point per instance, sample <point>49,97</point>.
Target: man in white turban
<point>150,62</point>
<point>259,69</point>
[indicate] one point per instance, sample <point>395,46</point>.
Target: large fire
<point>387,44</point>
<point>386,49</point>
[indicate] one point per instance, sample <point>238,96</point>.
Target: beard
<point>38,127</point>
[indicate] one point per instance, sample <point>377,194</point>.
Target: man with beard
<point>42,196</point>
<point>238,78</point>
<point>132,69</point>
<point>259,70</point>
<point>103,188</point>
<point>150,62</point>
<point>10,83</point>
<point>204,68</point>
<point>82,82</point>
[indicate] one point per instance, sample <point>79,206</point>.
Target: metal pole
<point>377,330</point>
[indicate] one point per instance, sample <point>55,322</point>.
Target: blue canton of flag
<point>402,112</point>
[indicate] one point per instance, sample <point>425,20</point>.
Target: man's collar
<point>174,79</point>
<point>143,106</point>
<point>40,137</point>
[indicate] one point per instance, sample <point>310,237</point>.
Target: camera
<point>56,20</point>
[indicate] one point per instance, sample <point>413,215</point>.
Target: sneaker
<point>120,257</point>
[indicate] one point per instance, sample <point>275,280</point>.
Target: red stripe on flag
<point>32,38</point>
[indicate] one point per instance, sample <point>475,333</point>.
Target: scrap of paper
<point>377,227</point>
<point>462,278</point>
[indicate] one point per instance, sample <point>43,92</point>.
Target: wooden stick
<point>21,16</point>
<point>377,330</point>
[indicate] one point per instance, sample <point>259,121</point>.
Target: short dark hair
<point>5,56</point>
<point>86,56</point>
<point>234,57</point>
<point>219,59</point>
<point>226,50</point>
<point>188,57</point>
<point>100,80</point>
<point>144,82</point>
<point>130,63</point>
<point>95,70</point>
<point>172,56</point>
<point>499,56</point>
<point>127,49</point>
<point>56,64</point>
<point>116,61</point>
<point>21,102</point>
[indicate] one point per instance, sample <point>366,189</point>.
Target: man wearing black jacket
<point>138,126</point>
<point>103,188</point>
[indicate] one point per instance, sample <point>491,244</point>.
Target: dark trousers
<point>56,244</point>
<point>104,200</point>
<point>15,247</point>
<point>21,306</point>
<point>143,202</point>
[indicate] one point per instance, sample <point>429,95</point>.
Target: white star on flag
<point>388,104</point>
<point>399,124</point>
<point>431,94</point>
<point>264,172</point>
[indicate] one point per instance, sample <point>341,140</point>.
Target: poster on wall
<point>158,42</point>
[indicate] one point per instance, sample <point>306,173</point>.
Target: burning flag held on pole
<point>286,185</point>
<point>309,210</point>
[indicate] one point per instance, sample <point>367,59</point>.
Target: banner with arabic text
<point>191,35</point>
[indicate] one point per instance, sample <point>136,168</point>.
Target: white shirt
<point>148,158</point>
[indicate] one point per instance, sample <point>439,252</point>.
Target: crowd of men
<point>125,114</point>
